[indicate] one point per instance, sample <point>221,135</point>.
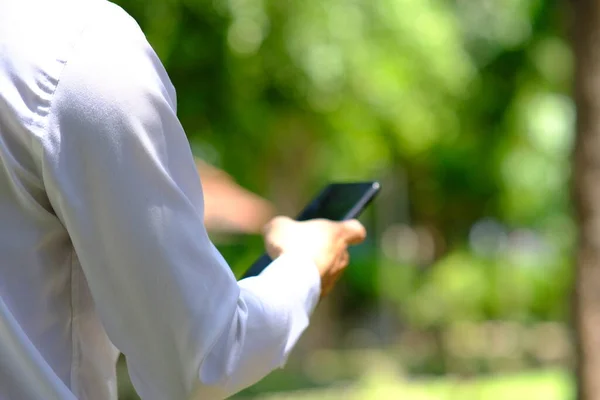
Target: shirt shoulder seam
<point>69,54</point>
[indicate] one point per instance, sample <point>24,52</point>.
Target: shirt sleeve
<point>121,177</point>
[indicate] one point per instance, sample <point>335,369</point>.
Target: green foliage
<point>468,96</point>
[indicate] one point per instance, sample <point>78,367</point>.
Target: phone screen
<point>340,201</point>
<point>337,202</point>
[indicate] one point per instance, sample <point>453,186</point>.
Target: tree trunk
<point>587,195</point>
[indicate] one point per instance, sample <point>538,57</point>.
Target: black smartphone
<point>337,202</point>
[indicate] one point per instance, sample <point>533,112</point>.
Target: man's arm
<point>120,176</point>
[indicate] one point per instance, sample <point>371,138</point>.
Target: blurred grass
<point>545,384</point>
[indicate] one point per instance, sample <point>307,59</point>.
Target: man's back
<point>48,325</point>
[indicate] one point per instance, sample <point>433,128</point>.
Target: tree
<point>587,196</point>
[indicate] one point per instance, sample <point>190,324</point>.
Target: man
<point>102,239</point>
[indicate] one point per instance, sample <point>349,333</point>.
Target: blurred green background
<point>462,109</point>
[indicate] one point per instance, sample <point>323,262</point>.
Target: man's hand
<point>325,242</point>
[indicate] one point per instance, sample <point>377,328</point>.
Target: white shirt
<point>101,226</point>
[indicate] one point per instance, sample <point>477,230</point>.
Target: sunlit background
<point>461,109</point>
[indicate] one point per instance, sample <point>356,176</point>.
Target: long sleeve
<point>120,175</point>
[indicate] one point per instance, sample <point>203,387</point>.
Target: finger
<point>344,259</point>
<point>353,231</point>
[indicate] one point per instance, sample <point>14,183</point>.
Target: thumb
<point>353,231</point>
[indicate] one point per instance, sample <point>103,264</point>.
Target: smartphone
<point>337,202</point>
